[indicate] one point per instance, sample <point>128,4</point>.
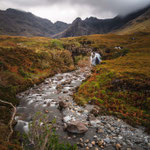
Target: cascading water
<point>95,58</point>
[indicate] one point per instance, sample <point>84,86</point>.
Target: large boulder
<point>76,127</point>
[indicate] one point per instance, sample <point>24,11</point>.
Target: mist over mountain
<point>21,23</point>
<point>94,25</point>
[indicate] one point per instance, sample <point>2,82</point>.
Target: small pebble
<point>90,145</point>
<point>46,111</point>
<point>100,143</point>
<point>87,141</point>
<point>81,140</point>
<point>100,131</point>
<point>81,144</point>
<point>107,140</point>
<point>93,142</point>
<point>118,147</point>
<point>95,137</point>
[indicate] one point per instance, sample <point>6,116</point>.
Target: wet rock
<point>93,142</point>
<point>95,137</point>
<point>59,87</point>
<point>91,117</point>
<point>112,129</point>
<point>59,78</point>
<point>107,140</point>
<point>96,148</point>
<point>80,144</point>
<point>99,130</point>
<point>95,123</point>
<point>118,147</point>
<point>62,105</point>
<point>90,145</point>
<point>87,141</point>
<point>65,92</point>
<point>76,127</point>
<point>81,140</point>
<point>95,111</point>
<point>67,119</point>
<point>87,148</point>
<point>101,143</point>
<point>46,111</point>
<point>48,104</point>
<point>65,126</point>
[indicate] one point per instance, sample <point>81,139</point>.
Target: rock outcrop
<point>76,127</point>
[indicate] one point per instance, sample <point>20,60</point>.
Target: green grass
<point>121,84</point>
<point>25,62</point>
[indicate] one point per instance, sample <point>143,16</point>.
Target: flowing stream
<point>107,129</point>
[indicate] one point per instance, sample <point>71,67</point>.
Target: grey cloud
<point>95,7</point>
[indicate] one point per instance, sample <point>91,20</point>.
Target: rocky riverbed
<point>76,124</point>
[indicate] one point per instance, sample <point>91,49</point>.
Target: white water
<point>95,58</point>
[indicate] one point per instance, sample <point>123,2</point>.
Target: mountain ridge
<point>21,23</point>
<point>93,25</point>
<point>16,22</point>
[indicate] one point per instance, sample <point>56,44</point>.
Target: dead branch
<point>12,118</point>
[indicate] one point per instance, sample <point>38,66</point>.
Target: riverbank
<point>24,62</point>
<point>76,124</point>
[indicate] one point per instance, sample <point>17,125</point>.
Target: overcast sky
<point>68,10</point>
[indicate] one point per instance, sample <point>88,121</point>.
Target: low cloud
<point>75,8</point>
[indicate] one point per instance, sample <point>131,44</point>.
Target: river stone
<point>95,111</point>
<point>62,105</point>
<point>67,118</point>
<point>107,140</point>
<point>76,127</point>
<point>118,147</point>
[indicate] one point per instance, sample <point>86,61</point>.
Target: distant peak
<point>11,10</point>
<point>77,20</point>
<point>60,22</point>
<point>91,18</point>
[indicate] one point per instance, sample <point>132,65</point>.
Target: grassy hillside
<point>140,24</point>
<point>23,63</point>
<point>121,84</point>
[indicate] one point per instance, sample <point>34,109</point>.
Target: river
<point>46,97</point>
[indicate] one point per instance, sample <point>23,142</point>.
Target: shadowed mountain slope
<point>16,22</point>
<point>139,24</point>
<point>99,26</point>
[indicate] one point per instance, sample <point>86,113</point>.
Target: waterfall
<point>95,58</point>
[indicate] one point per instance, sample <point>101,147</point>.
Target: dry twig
<point>12,118</point>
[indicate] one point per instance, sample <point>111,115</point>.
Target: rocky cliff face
<point>16,22</point>
<point>99,26</point>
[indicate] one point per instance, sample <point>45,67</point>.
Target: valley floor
<point>118,89</point>
<point>105,132</point>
